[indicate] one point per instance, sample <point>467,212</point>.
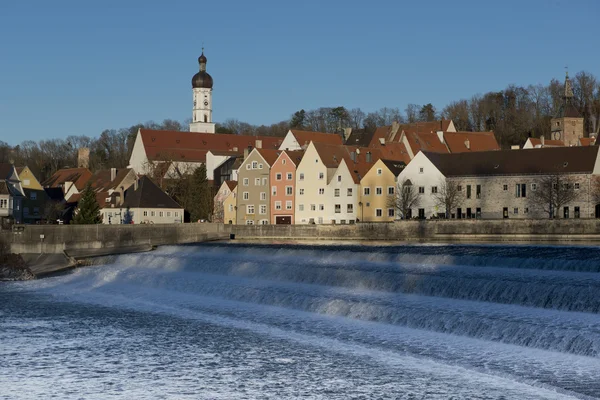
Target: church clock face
<point>556,136</point>
<point>206,103</point>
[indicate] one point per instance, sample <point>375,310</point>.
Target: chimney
<point>113,174</point>
<point>382,141</point>
<point>369,157</point>
<point>441,136</point>
<point>83,157</point>
<point>235,149</point>
<point>353,156</point>
<point>468,144</point>
<point>542,140</point>
<point>357,151</point>
<point>258,144</point>
<point>247,151</point>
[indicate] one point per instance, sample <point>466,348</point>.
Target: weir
<point>498,309</point>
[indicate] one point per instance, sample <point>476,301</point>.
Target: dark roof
<point>394,166</point>
<point>360,137</point>
<point>516,162</point>
<point>55,194</point>
<point>5,170</point>
<point>148,195</point>
<point>101,179</point>
<point>4,188</point>
<point>202,79</point>
<point>568,110</point>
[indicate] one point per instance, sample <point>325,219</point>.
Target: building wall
<point>28,180</point>
<point>289,142</point>
<point>423,174</point>
<point>308,189</point>
<point>115,216</point>
<point>571,129</point>
<point>378,176</point>
<point>282,201</point>
<point>343,194</point>
<point>218,210</point>
<point>500,192</point>
<point>230,207</point>
<point>253,200</point>
<point>139,160</point>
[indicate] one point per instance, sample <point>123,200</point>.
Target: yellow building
<point>378,191</point>
<point>230,207</point>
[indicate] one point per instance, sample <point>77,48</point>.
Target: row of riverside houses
<point>122,195</point>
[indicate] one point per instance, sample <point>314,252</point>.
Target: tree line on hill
<point>514,114</point>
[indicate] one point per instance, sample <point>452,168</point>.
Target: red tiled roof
<point>478,141</point>
<point>332,156</point>
<point>412,128</point>
<point>269,155</point>
<point>426,142</point>
<point>305,137</point>
<point>231,184</point>
<point>80,177</point>
<point>101,180</point>
<point>587,141</point>
<point>192,146</point>
<point>394,152</point>
<point>295,155</point>
<point>547,143</point>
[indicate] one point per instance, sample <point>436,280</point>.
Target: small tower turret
<point>202,84</point>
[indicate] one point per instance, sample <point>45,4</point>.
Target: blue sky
<point>68,67</point>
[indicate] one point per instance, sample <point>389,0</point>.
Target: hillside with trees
<point>514,114</point>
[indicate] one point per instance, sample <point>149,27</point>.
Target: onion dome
<point>202,79</point>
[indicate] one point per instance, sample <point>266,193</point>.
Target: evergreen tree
<point>128,217</point>
<point>88,210</point>
<point>201,197</point>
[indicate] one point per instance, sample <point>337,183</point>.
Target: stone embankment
<point>13,268</point>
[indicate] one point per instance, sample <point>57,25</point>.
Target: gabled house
<point>537,143</point>
<point>230,206</point>
<point>11,194</point>
<point>378,191</point>
<point>145,203</point>
<point>223,193</point>
<point>186,151</point>
<point>283,186</point>
<point>328,181</point>
<point>253,200</point>
<point>507,183</point>
<point>70,180</point>
<point>35,200</point>
<point>297,139</point>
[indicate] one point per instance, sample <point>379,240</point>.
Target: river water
<point>242,321</point>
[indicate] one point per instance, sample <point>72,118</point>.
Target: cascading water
<point>315,321</point>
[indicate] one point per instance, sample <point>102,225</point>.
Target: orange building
<point>283,187</point>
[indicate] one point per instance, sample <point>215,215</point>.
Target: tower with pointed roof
<point>567,125</point>
<point>202,84</point>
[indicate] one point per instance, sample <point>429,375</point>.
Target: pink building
<point>283,186</point>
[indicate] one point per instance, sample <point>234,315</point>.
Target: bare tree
<point>405,199</point>
<point>448,196</point>
<point>554,192</point>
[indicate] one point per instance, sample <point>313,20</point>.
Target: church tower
<point>202,84</point>
<point>567,125</point>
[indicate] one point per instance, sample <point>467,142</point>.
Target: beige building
<point>378,191</point>
<point>510,183</point>
<point>253,200</point>
<point>223,193</point>
<point>230,207</point>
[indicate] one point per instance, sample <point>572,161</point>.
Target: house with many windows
<point>11,194</point>
<point>253,199</point>
<point>378,191</point>
<point>328,183</point>
<point>531,183</point>
<point>283,186</point>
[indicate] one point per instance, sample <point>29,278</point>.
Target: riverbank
<point>14,268</point>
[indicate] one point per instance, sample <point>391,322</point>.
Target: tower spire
<point>568,95</point>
